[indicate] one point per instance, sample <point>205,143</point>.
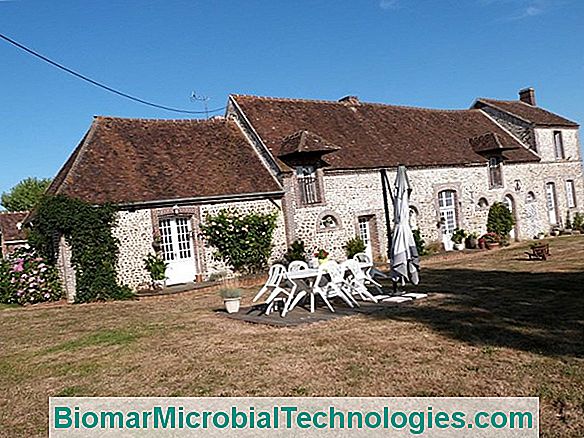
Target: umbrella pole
<point>384,186</point>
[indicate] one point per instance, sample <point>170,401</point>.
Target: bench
<point>539,252</point>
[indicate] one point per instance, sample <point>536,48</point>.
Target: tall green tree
<point>24,195</point>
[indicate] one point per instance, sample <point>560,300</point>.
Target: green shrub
<point>568,225</point>
<point>296,251</point>
<point>156,267</point>
<point>354,246</point>
<point>243,242</point>
<point>578,221</point>
<point>500,220</point>
<point>230,293</point>
<point>94,249</point>
<point>458,235</point>
<point>420,243</point>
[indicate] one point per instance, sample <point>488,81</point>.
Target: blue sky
<point>432,53</point>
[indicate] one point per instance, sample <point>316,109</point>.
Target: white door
<point>365,235</point>
<point>550,193</point>
<point>177,250</point>
<point>509,203</point>
<point>446,203</point>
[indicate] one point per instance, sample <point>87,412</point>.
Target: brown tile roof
<point>529,113</point>
<point>305,141</point>
<point>488,142</point>
<point>138,160</point>
<point>9,230</point>
<point>376,135</point>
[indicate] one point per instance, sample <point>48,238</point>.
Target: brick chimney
<point>527,95</point>
<point>350,100</point>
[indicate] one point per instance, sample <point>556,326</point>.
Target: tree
<point>24,195</point>
<point>500,219</point>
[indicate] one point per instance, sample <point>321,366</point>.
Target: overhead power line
<point>103,86</point>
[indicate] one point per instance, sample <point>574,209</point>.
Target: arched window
<point>530,197</point>
<point>483,203</point>
<point>328,222</point>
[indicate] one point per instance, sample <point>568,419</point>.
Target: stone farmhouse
<point>326,167</point>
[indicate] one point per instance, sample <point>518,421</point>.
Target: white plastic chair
<point>337,286</point>
<point>294,266</point>
<point>297,265</point>
<point>276,277</point>
<point>357,280</point>
<point>366,265</point>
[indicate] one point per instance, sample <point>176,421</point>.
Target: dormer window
<point>495,172</point>
<point>308,185</point>
<point>559,145</point>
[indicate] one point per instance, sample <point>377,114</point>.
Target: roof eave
<point>159,203</point>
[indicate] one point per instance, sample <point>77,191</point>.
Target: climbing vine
<point>94,249</point>
<point>242,241</point>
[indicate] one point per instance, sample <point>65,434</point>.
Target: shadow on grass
<point>541,313</point>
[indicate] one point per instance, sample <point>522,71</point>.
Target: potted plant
<point>321,255</point>
<point>500,222</point>
<point>354,246</point>
<point>296,251</point>
<point>491,240</point>
<point>231,299</point>
<point>471,240</point>
<point>458,238</point>
<point>157,269</point>
<point>156,241</point>
<point>567,225</point>
<point>578,223</point>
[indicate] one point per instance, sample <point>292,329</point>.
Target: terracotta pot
<point>492,245</point>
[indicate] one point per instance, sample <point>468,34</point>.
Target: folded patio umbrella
<point>405,262</point>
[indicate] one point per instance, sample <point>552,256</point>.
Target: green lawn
<point>495,325</point>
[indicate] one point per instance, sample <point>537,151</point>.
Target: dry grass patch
<point>495,325</point>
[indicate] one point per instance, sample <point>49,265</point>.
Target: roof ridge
<point>146,119</point>
<point>494,102</point>
<point>334,102</point>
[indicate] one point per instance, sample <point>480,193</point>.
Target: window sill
<point>315,204</point>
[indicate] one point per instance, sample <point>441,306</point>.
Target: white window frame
<point>570,193</point>
<point>447,210</point>
<point>559,145</point>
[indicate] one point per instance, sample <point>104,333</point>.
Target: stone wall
<point>544,138</point>
<point>134,231</point>
<point>350,194</point>
<point>66,271</point>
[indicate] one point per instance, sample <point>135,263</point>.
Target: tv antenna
<point>200,98</point>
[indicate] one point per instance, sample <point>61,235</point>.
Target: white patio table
<point>303,280</point>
